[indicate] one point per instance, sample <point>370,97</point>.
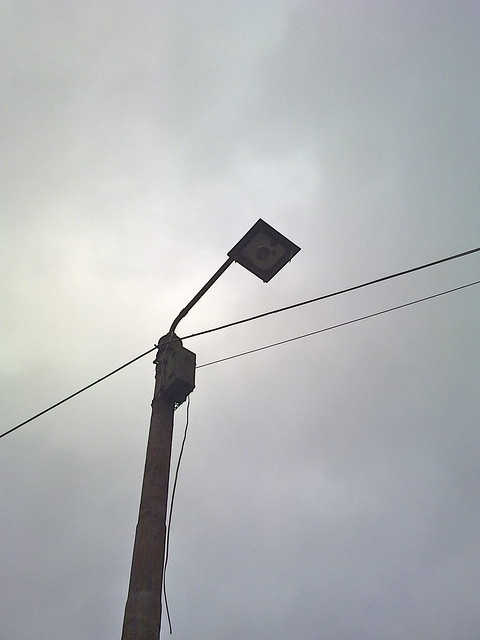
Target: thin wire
<point>275,344</point>
<point>232,324</point>
<point>167,542</point>
<point>336,326</point>
<point>92,384</point>
<point>331,295</point>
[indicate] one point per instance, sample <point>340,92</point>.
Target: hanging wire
<point>170,511</point>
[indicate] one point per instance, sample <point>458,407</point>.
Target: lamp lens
<point>262,253</point>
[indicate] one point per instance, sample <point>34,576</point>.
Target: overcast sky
<point>330,487</point>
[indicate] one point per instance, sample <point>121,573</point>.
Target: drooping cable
<point>169,522</point>
<point>249,319</point>
<point>336,326</point>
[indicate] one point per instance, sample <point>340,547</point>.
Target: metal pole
<point>202,292</point>
<point>143,607</point>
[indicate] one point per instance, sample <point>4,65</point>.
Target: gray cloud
<point>329,485</point>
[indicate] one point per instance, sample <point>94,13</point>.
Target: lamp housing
<point>176,368</point>
<point>263,251</point>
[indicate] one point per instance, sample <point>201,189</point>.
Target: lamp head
<point>263,251</point>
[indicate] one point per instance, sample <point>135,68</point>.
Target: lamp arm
<point>202,291</point>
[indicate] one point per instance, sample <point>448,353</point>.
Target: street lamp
<point>263,251</point>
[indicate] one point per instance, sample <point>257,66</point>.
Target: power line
<point>249,319</point>
<point>336,326</point>
<point>92,384</point>
<point>335,293</point>
<point>238,355</point>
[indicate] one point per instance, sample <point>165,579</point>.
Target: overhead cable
<point>332,295</point>
<point>72,395</point>
<point>244,320</point>
<point>336,326</point>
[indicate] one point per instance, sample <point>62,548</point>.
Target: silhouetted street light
<point>263,251</point>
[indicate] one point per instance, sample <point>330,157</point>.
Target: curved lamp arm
<point>202,291</point>
<point>262,250</point>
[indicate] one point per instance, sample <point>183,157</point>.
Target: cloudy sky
<point>329,487</point>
